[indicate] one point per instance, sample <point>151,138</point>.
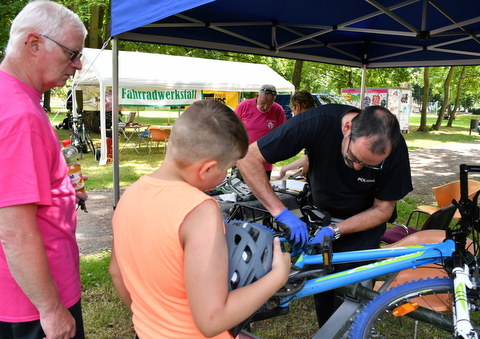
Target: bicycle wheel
<point>76,141</point>
<point>377,319</point>
<point>95,124</point>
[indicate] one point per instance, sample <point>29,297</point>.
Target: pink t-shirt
<point>33,170</point>
<point>257,123</point>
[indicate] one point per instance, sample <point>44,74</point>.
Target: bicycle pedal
<point>327,254</point>
<point>270,313</point>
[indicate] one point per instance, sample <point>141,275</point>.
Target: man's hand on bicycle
<point>318,238</point>
<point>296,229</point>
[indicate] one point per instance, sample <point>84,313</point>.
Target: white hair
<point>41,17</point>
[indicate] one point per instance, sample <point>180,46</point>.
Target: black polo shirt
<point>336,188</point>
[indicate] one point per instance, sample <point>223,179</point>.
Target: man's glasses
<point>348,158</point>
<point>74,55</point>
<point>268,91</point>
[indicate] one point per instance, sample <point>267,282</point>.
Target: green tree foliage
<point>388,77</point>
<point>9,9</point>
<point>471,87</point>
<point>313,76</point>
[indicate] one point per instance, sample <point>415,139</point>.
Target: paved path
<point>438,165</point>
<point>430,167</point>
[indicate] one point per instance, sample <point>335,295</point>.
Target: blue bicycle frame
<point>396,259</point>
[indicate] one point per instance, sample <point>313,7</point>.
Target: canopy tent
<point>145,70</point>
<point>366,34</point>
<point>371,33</point>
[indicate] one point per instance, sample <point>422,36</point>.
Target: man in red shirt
<point>260,115</point>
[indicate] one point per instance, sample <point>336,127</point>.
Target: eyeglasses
<point>268,91</point>
<point>347,158</point>
<point>74,55</point>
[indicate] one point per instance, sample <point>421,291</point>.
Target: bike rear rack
<point>252,214</point>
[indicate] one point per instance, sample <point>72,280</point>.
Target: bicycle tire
<point>95,124</point>
<point>76,141</point>
<point>89,143</point>
<point>375,320</point>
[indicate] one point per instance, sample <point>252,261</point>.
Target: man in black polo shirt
<point>358,169</point>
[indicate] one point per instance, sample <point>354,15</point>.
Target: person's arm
<point>251,167</point>
<point>27,261</point>
<point>299,163</point>
<point>214,308</point>
<point>376,215</point>
<point>117,280</point>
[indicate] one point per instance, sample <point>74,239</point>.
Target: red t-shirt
<point>257,123</point>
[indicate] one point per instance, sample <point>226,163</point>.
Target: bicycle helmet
<point>250,252</point>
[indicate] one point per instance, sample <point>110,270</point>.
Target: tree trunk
<point>426,88</point>
<point>297,74</point>
<point>95,27</point>
<point>46,101</point>
<point>457,99</point>
<point>350,79</point>
<point>446,99</point>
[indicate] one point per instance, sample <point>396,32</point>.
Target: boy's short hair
<point>208,129</point>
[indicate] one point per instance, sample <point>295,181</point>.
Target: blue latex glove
<point>297,231</point>
<point>318,238</point>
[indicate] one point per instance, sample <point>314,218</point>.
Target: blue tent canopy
<point>370,33</point>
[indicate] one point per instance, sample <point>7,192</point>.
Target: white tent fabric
<point>176,72</point>
<point>172,72</point>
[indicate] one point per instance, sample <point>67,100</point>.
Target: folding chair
<point>439,220</point>
<point>158,135</point>
<point>444,195</point>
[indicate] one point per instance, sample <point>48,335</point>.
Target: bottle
<point>74,169</point>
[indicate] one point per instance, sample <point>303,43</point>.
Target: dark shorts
<point>33,330</point>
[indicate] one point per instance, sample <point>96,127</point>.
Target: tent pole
<point>362,87</point>
<point>115,152</point>
<point>103,131</point>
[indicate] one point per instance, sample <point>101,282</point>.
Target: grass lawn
<point>105,316</point>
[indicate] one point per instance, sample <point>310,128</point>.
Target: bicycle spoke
<point>377,319</point>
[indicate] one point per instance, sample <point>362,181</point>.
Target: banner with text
<point>228,98</point>
<point>139,96</point>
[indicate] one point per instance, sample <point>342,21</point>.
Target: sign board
<point>397,100</point>
<point>140,96</point>
<point>228,98</point>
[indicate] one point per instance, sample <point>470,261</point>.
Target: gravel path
<point>438,165</point>
<point>430,167</point>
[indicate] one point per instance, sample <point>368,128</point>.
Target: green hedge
<point>476,110</point>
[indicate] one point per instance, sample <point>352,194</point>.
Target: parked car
<point>320,99</point>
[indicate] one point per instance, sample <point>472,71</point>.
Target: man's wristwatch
<point>336,231</point>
